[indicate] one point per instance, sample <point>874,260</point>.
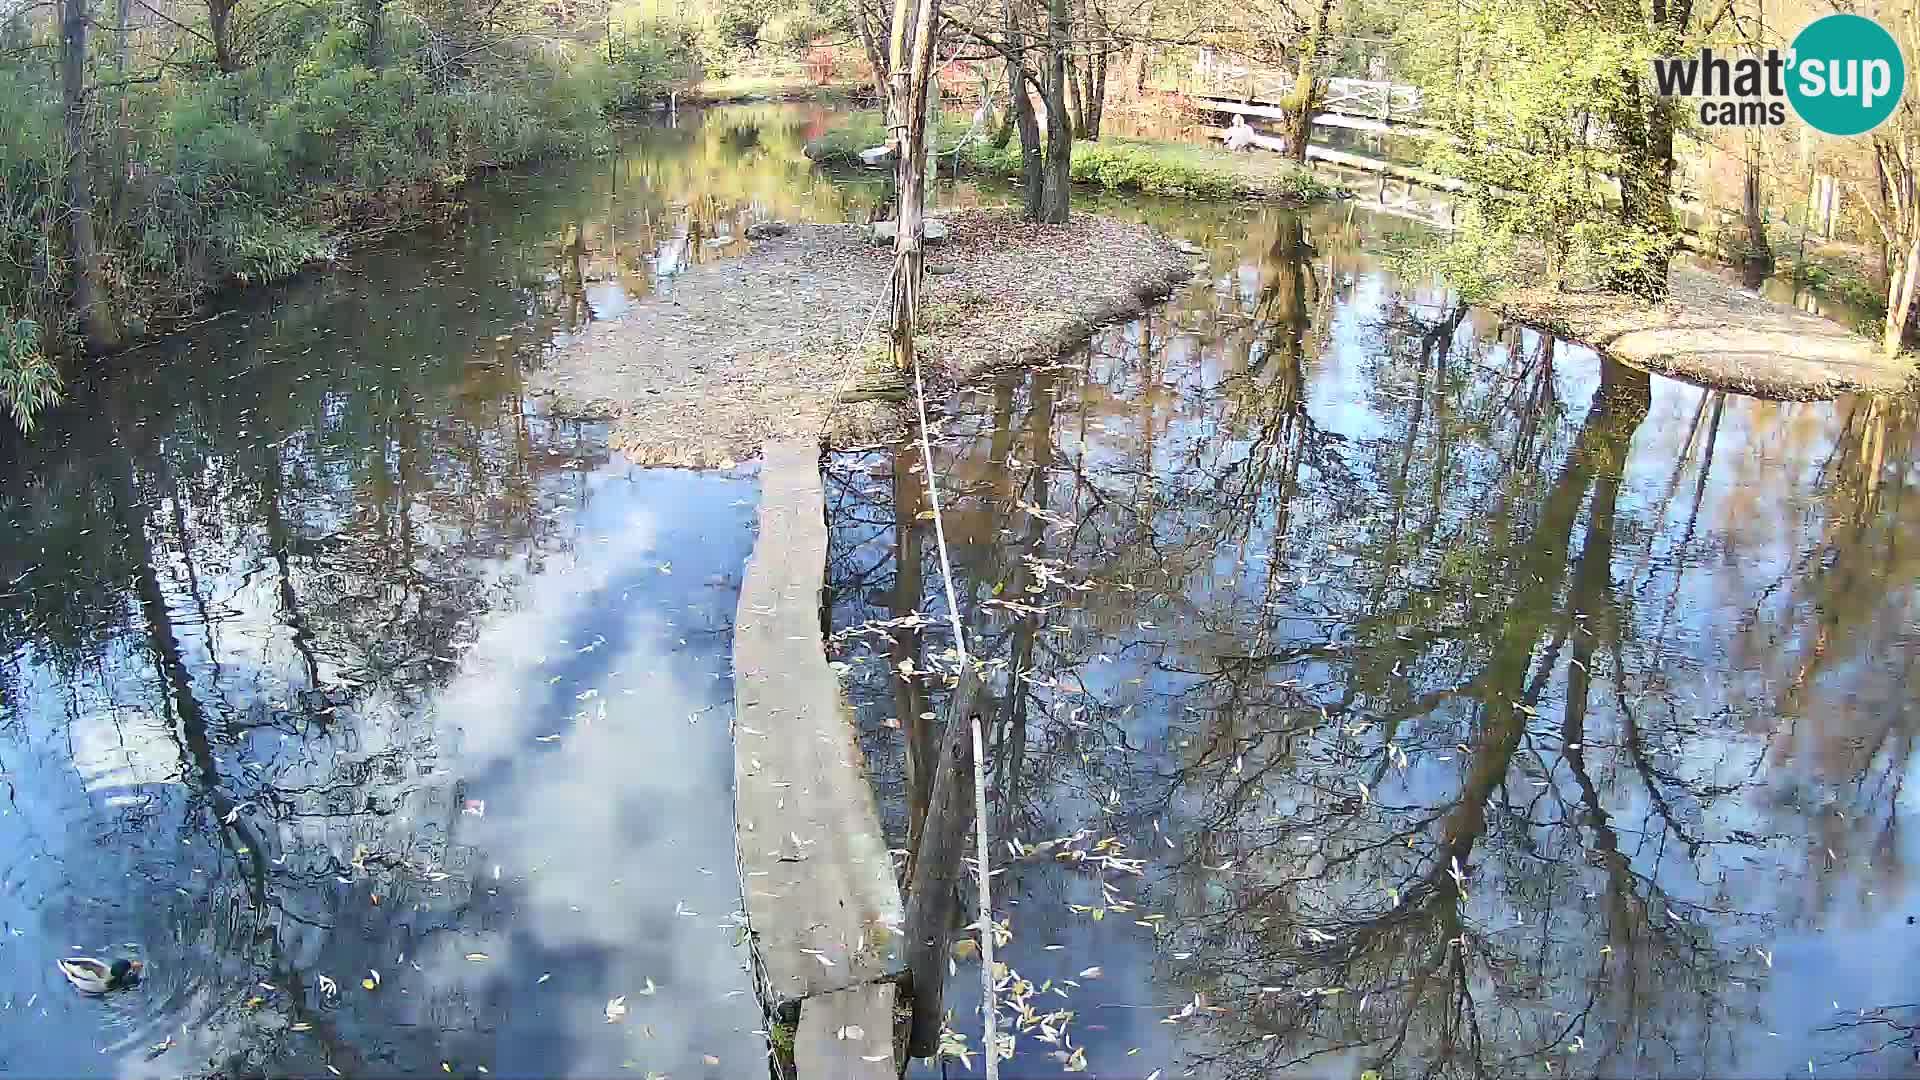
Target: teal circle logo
<point>1845,74</point>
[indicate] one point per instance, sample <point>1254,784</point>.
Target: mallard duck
<point>91,976</point>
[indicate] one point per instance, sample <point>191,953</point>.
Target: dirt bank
<point>731,353</point>
<point>1712,332</point>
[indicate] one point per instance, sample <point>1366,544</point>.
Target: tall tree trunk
<point>1900,295</point>
<point>1076,105</point>
<point>90,301</point>
<point>1644,130</point>
<point>373,14</point>
<point>1308,84</point>
<point>1096,95</point>
<point>872,32</point>
<point>1020,113</point>
<point>1056,196</point>
<point>1643,127</point>
<point>1759,255</point>
<point>910,70</point>
<point>1758,263</point>
<point>219,23</point>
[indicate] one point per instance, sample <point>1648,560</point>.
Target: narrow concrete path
<point>823,910</point>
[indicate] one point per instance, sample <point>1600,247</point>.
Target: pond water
<point>1397,690</point>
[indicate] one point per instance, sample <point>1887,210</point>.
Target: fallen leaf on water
<point>303,1026</point>
<point>328,986</point>
<point>648,992</point>
<point>1091,973</point>
<point>617,1009</point>
<point>852,1031</point>
<point>478,957</point>
<point>333,1070</point>
<point>709,1059</point>
<point>543,978</point>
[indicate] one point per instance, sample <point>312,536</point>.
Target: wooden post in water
<point>933,893</point>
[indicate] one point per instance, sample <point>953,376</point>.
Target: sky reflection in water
<point>276,603</point>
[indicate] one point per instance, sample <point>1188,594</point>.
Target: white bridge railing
<point>1373,99</point>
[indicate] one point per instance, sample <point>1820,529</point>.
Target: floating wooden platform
<point>823,909</point>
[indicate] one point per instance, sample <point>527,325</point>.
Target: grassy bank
<point>1153,166</point>
<point>202,178</point>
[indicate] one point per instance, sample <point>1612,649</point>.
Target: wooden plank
<point>823,910</point>
<point>847,1034</point>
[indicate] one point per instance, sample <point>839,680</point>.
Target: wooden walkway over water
<point>823,910</point>
<point>1256,92</point>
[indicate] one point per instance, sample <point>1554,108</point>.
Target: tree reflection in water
<point>1478,707</point>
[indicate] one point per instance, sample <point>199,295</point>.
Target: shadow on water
<point>1382,687</point>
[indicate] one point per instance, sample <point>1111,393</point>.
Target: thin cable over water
<point>990,1006</point>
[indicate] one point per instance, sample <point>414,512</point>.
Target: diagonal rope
<point>989,1001</point>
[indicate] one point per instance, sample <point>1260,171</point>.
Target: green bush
<point>209,178</point>
<point>29,384</point>
<point>650,57</point>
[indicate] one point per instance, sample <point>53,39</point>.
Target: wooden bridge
<point>1357,104</point>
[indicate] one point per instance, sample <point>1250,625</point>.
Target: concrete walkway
<point>823,910</point>
<point>1712,332</point>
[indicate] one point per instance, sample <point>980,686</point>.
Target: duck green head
<point>124,971</point>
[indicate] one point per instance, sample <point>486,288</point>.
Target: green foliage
<point>651,55</point>
<point>29,383</point>
<point>1478,260</point>
<point>1533,94</point>
<point>1842,284</point>
<point>205,179</point>
<point>1604,249</point>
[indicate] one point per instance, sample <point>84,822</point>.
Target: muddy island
<point>787,342</point>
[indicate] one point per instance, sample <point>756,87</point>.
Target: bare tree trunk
<point>1900,295</point>
<point>1096,96</point>
<point>1056,196</point>
<point>873,30</point>
<point>219,22</point>
<point>97,323</point>
<point>1307,85</point>
<point>372,13</point>
<point>910,71</point>
<point>1759,255</point>
<point>1076,105</point>
<point>1020,113</point>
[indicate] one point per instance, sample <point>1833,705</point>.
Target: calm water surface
<point>1386,688</point>
<point>1379,687</point>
